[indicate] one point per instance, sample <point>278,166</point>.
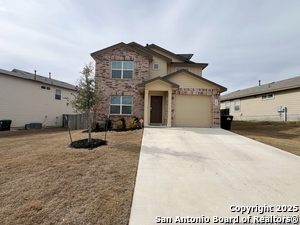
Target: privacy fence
<point>75,121</point>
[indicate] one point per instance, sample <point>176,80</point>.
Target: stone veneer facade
<point>120,87</point>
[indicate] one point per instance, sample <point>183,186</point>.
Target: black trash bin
<point>5,125</point>
<point>226,122</point>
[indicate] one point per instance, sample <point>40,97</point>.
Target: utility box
<point>5,125</point>
<point>281,109</point>
<point>35,125</point>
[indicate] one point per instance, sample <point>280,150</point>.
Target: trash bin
<point>5,125</point>
<point>226,122</point>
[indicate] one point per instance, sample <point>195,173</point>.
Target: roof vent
<point>35,74</point>
<point>258,82</point>
<point>50,75</point>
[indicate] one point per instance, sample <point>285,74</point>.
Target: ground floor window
<point>121,105</point>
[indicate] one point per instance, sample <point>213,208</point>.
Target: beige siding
<point>24,102</point>
<point>162,71</point>
<point>256,108</point>
<point>186,81</point>
<point>193,111</point>
<point>193,69</point>
<point>158,86</point>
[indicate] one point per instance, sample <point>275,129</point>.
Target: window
<point>121,105</point>
<point>122,69</point>
<point>268,96</point>
<point>45,88</point>
<point>227,105</point>
<point>237,104</point>
<point>58,94</point>
<point>182,68</point>
<point>155,66</point>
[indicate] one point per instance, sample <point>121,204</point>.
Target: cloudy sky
<point>242,40</point>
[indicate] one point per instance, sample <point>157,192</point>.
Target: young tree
<point>86,96</point>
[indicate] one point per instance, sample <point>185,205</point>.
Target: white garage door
<point>193,111</point>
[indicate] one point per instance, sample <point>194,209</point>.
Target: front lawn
<point>43,181</point>
<point>283,135</point>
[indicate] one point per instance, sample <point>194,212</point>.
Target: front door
<point>156,109</point>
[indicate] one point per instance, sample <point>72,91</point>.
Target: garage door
<point>193,111</point>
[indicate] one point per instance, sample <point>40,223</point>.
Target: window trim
<point>121,104</point>
<point>267,97</point>
<point>239,105</point>
<point>45,88</point>
<point>55,95</point>
<point>122,69</point>
<point>226,106</point>
<point>154,66</point>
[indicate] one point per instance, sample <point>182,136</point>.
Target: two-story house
<point>28,98</point>
<point>155,84</point>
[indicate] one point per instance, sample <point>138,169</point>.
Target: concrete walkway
<point>210,174</point>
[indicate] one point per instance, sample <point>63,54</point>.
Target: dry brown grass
<point>283,135</point>
<point>43,181</point>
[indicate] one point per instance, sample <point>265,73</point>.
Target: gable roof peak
<point>122,44</point>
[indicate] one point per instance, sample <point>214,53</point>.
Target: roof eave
<point>258,93</point>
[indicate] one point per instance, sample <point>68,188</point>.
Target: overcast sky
<point>242,40</point>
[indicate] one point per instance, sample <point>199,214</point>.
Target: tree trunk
<point>89,127</point>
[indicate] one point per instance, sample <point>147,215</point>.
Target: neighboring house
<point>155,84</point>
<point>276,101</point>
<point>26,98</point>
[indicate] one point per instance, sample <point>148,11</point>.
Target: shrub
<point>131,123</point>
<point>118,125</point>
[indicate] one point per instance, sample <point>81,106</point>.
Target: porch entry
<point>156,109</point>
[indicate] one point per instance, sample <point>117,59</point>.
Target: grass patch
<point>43,181</point>
<point>283,135</point>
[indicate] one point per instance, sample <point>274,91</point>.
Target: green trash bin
<point>226,122</point>
<point>5,125</point>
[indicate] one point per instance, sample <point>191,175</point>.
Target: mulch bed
<point>116,130</point>
<point>83,143</point>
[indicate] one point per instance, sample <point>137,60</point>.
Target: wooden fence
<point>75,121</point>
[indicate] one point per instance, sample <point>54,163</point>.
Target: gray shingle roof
<point>287,84</point>
<point>37,78</point>
<point>186,56</point>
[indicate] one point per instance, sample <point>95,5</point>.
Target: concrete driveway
<point>211,175</point>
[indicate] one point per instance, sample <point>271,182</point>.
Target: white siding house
<point>28,98</point>
<point>276,101</point>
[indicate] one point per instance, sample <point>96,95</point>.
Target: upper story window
<point>45,88</point>
<point>227,105</point>
<point>155,66</point>
<point>237,105</point>
<point>58,94</point>
<point>268,96</point>
<point>182,68</point>
<point>122,69</point>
